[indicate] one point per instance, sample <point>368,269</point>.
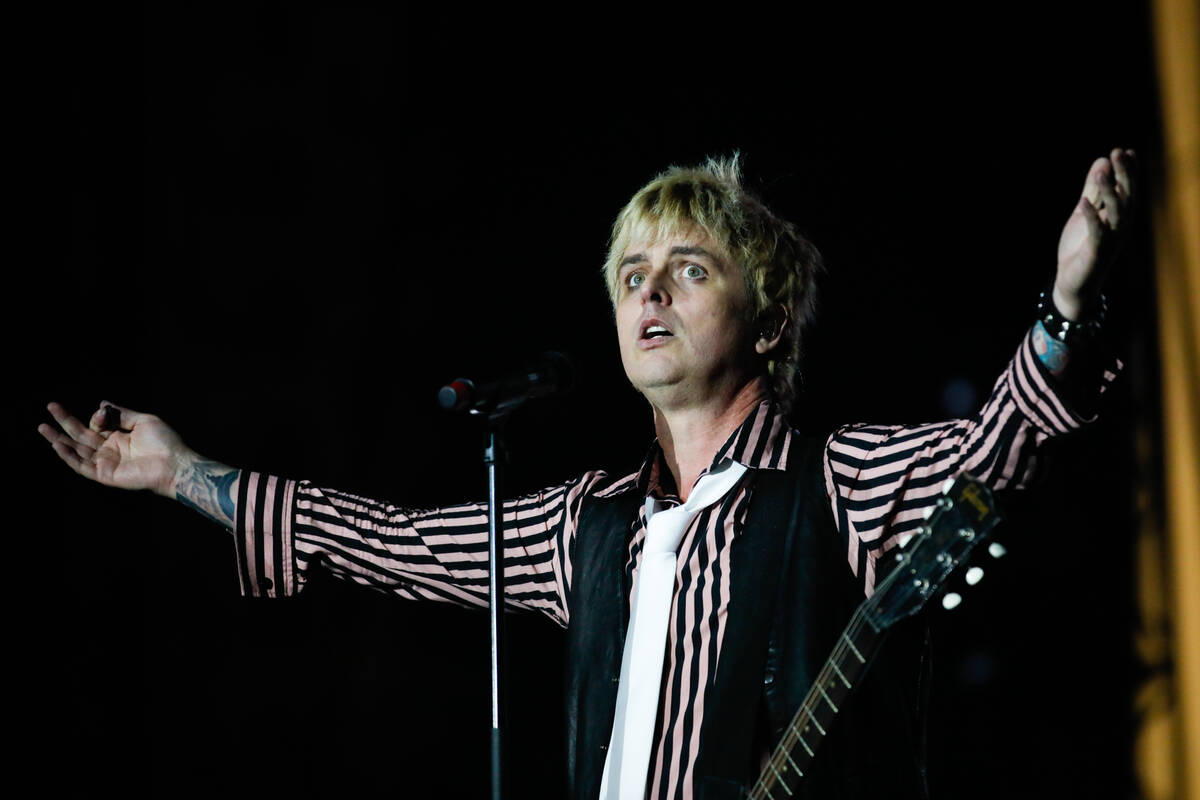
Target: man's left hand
<point>1092,235</point>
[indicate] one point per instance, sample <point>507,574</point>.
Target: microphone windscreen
<point>456,395</point>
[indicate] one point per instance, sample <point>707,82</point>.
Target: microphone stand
<point>493,457</point>
<point>551,374</point>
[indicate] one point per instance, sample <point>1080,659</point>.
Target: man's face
<point>683,320</point>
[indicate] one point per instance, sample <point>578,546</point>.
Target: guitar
<point>962,517</point>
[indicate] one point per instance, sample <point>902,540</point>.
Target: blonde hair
<point>778,264</point>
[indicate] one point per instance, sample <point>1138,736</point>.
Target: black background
<point>288,225</point>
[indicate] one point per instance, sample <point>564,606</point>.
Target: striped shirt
<point>878,480</point>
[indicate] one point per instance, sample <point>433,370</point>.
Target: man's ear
<point>771,326</point>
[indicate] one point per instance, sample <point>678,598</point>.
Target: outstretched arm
<point>880,478</point>
<point>131,450</point>
<point>282,528</point>
<point>1087,249</point>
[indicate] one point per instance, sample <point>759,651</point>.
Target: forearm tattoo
<point>207,487</point>
<point>1053,354</point>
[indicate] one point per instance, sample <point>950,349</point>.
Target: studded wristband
<point>1065,330</point>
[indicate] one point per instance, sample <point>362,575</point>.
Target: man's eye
<point>634,279</point>
<point>694,271</point>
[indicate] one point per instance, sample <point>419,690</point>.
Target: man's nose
<point>655,289</point>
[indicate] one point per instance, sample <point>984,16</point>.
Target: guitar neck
<point>815,717</point>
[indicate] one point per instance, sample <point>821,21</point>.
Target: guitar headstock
<point>957,522</point>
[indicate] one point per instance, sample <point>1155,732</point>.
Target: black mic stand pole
<point>551,374</point>
<point>493,456</point>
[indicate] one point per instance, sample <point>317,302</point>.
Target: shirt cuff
<point>262,535</point>
<point>1042,398</point>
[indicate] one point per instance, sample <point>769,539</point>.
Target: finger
<point>75,455</point>
<point>55,436</point>
<point>1094,224</point>
<point>1111,205</point>
<point>68,455</point>
<point>74,427</point>
<point>1124,163</point>
<point>1091,185</point>
<point>106,420</point>
<point>123,417</point>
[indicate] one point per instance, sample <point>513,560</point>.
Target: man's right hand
<point>131,450</point>
<point>119,447</point>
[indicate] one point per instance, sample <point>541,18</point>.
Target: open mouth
<point>656,332</point>
<point>652,330</point>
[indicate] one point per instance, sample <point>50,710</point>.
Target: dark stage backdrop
<point>288,226</point>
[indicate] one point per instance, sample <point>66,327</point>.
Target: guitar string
<point>855,626</point>
<point>793,735</point>
<point>858,620</point>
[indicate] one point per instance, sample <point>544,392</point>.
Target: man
<point>701,593</point>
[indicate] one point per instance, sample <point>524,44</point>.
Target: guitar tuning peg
<point>946,486</point>
<point>997,550</point>
<point>974,575</point>
<point>950,600</point>
<point>928,512</point>
<point>904,539</point>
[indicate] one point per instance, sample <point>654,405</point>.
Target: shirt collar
<point>761,441</point>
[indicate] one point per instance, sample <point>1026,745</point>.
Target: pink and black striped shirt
<point>878,480</point>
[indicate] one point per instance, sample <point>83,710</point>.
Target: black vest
<point>791,594</point>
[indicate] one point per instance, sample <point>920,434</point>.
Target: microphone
<point>551,374</point>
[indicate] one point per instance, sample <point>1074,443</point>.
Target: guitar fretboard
<point>809,726</point>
